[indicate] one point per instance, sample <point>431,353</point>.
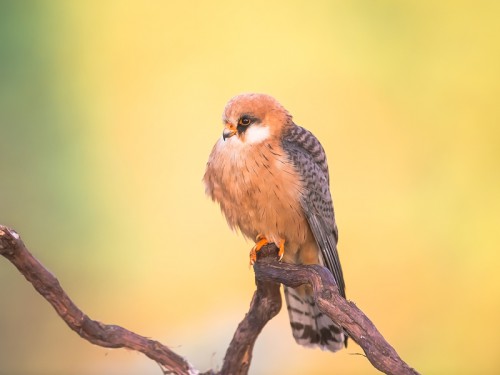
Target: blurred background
<point>109,109</point>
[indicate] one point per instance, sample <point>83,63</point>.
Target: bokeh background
<point>109,109</point>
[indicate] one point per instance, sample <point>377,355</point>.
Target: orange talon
<point>261,242</point>
<point>281,252</point>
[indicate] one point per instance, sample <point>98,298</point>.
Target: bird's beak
<point>229,131</point>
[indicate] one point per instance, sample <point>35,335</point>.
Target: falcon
<point>270,178</point>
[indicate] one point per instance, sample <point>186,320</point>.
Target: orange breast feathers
<point>258,189</point>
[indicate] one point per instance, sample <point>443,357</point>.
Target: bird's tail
<point>310,327</point>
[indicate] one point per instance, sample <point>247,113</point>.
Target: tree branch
<point>265,304</point>
<point>109,336</point>
<point>326,294</point>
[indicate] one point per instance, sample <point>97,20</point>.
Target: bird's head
<point>254,117</point>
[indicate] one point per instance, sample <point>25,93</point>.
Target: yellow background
<point>109,109</point>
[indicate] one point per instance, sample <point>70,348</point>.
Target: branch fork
<point>265,304</point>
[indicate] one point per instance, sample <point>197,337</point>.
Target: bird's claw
<point>261,242</point>
<point>281,251</point>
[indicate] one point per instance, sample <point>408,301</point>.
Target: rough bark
<point>266,303</point>
<point>326,294</point>
<point>106,335</point>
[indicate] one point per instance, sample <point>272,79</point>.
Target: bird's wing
<point>308,157</point>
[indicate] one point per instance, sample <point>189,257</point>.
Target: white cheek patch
<point>256,134</point>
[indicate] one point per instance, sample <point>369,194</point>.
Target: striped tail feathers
<point>310,327</point>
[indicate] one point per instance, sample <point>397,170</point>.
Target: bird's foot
<point>281,251</point>
<point>261,242</point>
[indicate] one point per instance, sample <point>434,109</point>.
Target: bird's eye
<point>245,121</point>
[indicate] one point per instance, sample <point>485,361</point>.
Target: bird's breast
<point>258,189</point>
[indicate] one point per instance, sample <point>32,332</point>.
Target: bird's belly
<point>269,213</point>
<point>260,195</point>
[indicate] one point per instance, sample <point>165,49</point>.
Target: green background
<point>109,109</point>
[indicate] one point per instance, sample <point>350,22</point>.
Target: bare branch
<point>109,336</point>
<point>378,351</point>
<point>265,304</point>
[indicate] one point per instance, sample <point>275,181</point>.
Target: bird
<point>271,180</point>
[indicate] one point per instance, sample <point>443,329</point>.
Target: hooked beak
<point>229,131</point>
